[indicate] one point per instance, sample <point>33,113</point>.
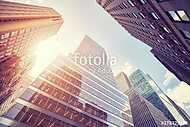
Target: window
<point>142,15</point>
<point>174,16</point>
<point>166,29</point>
<point>27,94</point>
<point>21,31</point>
<point>155,16</point>
<point>143,1</point>
<point>186,33</point>
<point>124,4</point>
<point>14,111</point>
<point>134,15</point>
<point>3,41</point>
<point>4,36</point>
<point>152,26</point>
<point>161,36</point>
<point>143,24</point>
<point>183,15</point>
<point>131,3</point>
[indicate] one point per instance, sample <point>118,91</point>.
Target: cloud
<point>168,77</point>
<point>180,94</point>
<point>126,68</point>
<point>129,68</point>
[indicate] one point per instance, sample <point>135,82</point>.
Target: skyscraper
<point>181,111</point>
<point>141,83</point>
<point>162,24</point>
<point>92,52</point>
<point>144,113</point>
<point>123,82</point>
<point>22,27</point>
<point>69,94</point>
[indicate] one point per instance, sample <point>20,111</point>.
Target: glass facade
<point>144,113</point>
<point>142,83</point>
<point>68,94</point>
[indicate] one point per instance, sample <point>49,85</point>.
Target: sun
<point>44,54</point>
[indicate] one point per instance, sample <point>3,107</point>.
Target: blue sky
<point>86,17</point>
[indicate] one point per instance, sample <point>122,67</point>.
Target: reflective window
<point>174,15</point>
<point>131,3</point>
<point>134,15</point>
<point>166,29</point>
<point>142,15</point>
<point>161,36</point>
<point>143,1</point>
<point>183,15</point>
<point>186,33</point>
<point>13,112</point>
<point>152,26</point>
<point>155,15</point>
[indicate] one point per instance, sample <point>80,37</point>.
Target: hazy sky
<point>86,17</point>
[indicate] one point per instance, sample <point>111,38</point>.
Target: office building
<point>164,25</point>
<point>180,111</point>
<point>123,82</point>
<point>22,27</point>
<point>70,95</point>
<point>144,113</point>
<point>98,60</point>
<point>141,82</point>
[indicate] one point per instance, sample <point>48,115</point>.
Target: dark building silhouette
<point>22,27</point>
<point>164,25</point>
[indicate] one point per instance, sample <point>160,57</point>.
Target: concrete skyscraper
<point>68,94</point>
<point>164,25</point>
<point>22,27</point>
<point>123,82</point>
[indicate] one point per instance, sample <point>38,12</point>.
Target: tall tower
<point>123,82</point>
<point>182,112</point>
<point>144,113</point>
<point>141,82</point>
<point>68,94</point>
<point>22,27</point>
<point>97,59</point>
<point>162,24</point>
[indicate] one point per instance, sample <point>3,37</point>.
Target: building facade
<point>22,27</point>
<point>123,82</point>
<point>141,82</point>
<point>144,113</point>
<point>70,95</point>
<point>164,25</point>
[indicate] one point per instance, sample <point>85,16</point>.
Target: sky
<point>86,17</point>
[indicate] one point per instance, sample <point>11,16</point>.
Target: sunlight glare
<point>45,53</point>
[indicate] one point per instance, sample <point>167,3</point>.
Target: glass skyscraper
<point>142,83</point>
<point>145,114</point>
<point>68,94</point>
